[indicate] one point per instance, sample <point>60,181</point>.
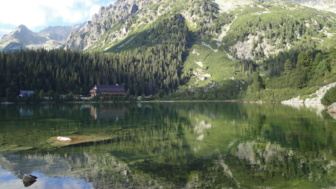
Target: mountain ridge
<point>120,18</point>
<point>49,38</point>
<point>88,35</point>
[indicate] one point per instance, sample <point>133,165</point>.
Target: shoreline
<point>301,102</point>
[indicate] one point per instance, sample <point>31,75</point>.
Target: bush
<point>329,97</point>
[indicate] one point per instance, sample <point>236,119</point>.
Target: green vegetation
<point>329,97</point>
<point>291,50</point>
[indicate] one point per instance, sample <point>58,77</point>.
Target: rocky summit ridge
<point>110,17</point>
<point>49,38</point>
<point>115,22</point>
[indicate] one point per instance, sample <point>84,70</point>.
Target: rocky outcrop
<point>228,5</point>
<point>327,5</point>
<point>315,97</point>
<point>106,19</point>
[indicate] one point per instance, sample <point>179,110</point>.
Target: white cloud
<point>42,13</point>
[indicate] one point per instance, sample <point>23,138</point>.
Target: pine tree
<point>257,82</point>
<point>288,67</point>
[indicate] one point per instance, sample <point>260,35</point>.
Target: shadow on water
<point>171,145</point>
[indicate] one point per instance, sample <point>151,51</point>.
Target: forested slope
<point>153,69</point>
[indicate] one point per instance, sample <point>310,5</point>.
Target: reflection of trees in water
<point>267,164</point>
<point>301,130</point>
<point>269,156</point>
<point>242,146</point>
<point>287,145</point>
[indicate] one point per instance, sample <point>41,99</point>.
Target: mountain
<point>202,49</point>
<point>59,33</point>
<point>108,18</point>
<point>228,40</point>
<point>49,38</point>
<point>115,22</point>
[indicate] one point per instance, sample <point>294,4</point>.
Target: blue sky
<point>39,14</point>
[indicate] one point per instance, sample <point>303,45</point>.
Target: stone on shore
<point>75,140</point>
<point>63,139</point>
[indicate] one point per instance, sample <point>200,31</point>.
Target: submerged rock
<point>75,140</point>
<point>28,180</point>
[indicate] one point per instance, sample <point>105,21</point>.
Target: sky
<point>39,14</point>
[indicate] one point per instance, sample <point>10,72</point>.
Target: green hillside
<point>225,49</point>
<point>262,38</point>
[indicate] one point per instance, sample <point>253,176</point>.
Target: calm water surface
<point>168,145</point>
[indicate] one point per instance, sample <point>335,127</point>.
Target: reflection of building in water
<point>107,112</point>
<point>24,111</point>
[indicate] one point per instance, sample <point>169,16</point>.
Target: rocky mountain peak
<point>22,37</point>
<point>23,29</point>
<point>21,32</point>
<point>107,18</point>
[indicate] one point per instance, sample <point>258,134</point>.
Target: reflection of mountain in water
<point>102,171</point>
<point>196,145</point>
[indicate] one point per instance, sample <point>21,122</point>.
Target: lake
<point>167,145</point>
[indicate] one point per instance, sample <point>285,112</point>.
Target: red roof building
<point>108,90</point>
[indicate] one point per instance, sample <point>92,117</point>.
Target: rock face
<point>315,97</point>
<point>107,18</point>
<point>114,22</point>
<point>327,5</point>
<point>49,38</point>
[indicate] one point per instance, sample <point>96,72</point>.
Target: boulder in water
<point>28,180</point>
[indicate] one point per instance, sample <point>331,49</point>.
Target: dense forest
<point>293,73</point>
<point>143,70</point>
